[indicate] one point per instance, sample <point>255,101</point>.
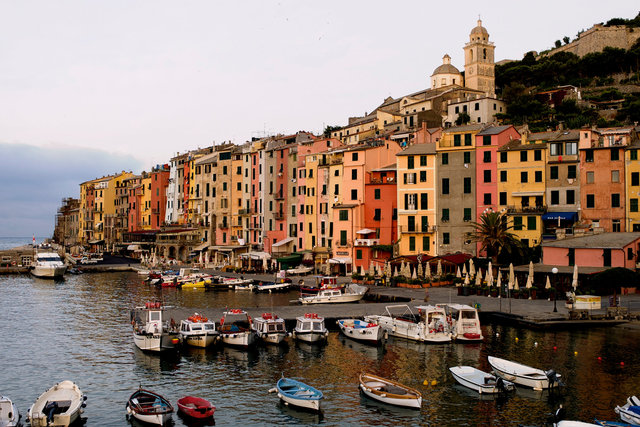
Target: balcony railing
<point>367,242</point>
<point>387,180</point>
<point>223,226</point>
<point>245,211</point>
<point>345,244</point>
<point>418,229</point>
<point>278,215</point>
<point>279,196</point>
<point>540,209</point>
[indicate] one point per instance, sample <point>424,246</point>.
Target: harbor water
<point>79,329</point>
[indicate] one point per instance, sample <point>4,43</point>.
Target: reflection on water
<point>79,329</point>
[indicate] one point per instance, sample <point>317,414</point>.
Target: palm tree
<point>492,231</point>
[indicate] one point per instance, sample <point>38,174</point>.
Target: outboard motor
<point>553,378</point>
<point>557,416</point>
<point>501,385</point>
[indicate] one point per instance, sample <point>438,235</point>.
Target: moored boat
<point>463,321</point>
<point>151,330</point>
<point>630,411</point>
<point>279,285</point>
<point>48,265</point>
<point>9,414</point>
<point>389,391</point>
<point>524,375</point>
<point>352,293</point>
<point>436,329</point>
<point>299,394</point>
<point>360,330</point>
<point>235,328</point>
<point>482,382</point>
<point>310,328</point>
<point>400,321</point>
<point>61,405</point>
<point>321,282</point>
<point>270,328</point>
<point>198,331</point>
<point>149,407</point>
<point>196,407</point>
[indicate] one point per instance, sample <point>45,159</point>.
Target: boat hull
<point>298,394</point>
<point>370,334</point>
<point>156,342</point>
<point>65,391</point>
<point>157,419</point>
<point>514,372</point>
<point>196,407</point>
<point>49,272</point>
<point>311,405</point>
<point>389,392</point>
<point>10,418</point>
<point>398,328</point>
<point>238,339</point>
<point>318,299</point>
<point>475,380</point>
<point>273,338</point>
<point>202,341</point>
<point>311,337</point>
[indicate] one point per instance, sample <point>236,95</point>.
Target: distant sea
<point>13,242</point>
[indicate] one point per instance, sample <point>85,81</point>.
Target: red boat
<point>196,407</point>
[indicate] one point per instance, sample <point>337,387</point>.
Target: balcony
<point>155,211</point>
<point>346,244</point>
<point>367,242</point>
<point>223,226</point>
<point>387,180</point>
<point>279,196</point>
<point>245,211</point>
<point>405,229</point>
<point>279,216</point>
<point>527,209</point>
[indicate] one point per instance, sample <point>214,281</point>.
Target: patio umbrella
<point>548,285</point>
<point>478,280</point>
<point>414,275</point>
<point>466,280</point>
<point>439,269</point>
<point>515,286</point>
<point>531,270</point>
<point>402,268</point>
<point>574,283</point>
<point>458,272</point>
<point>464,269</point>
<point>395,272</point>
<point>489,280</point>
<point>420,271</point>
<point>407,270</point>
<point>490,269</point>
<point>388,272</point>
<point>529,284</point>
<point>499,283</point>
<point>472,268</point>
<point>510,282</point>
<point>206,259</point>
<point>371,271</point>
<point>480,274</point>
<point>200,258</point>
<point>427,270</point>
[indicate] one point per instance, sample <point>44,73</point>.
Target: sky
<point>91,87</point>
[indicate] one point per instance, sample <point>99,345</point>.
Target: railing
<point>279,215</point>
<point>367,242</point>
<point>388,180</point>
<point>343,244</point>
<point>527,209</point>
<point>279,196</point>
<point>418,229</point>
<point>223,226</point>
<point>155,211</point>
<point>245,211</point>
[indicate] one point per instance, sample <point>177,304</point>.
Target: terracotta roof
<point>494,130</point>
<point>516,145</point>
<point>415,149</point>
<point>464,128</point>
<point>598,241</point>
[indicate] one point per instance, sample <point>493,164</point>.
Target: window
<point>523,156</point>
<point>410,164</point>
<point>615,176</point>
<point>476,106</point>
<point>487,198</point>
<point>358,253</point>
<point>487,175</point>
<point>344,215</point>
<point>336,189</point>
<point>354,194</point>
<point>503,176</point>
<point>571,148</point>
<point>466,215</point>
<point>445,185</point>
<point>633,154</point>
<point>423,160</point>
<point>517,223</point>
<point>354,174</point>
<point>445,238</point>
<point>467,139</point>
<point>606,257</point>
<point>425,243</point>
<point>630,254</point>
<point>590,177</point>
<point>412,243</point>
<point>537,155</point>
<point>424,201</point>
<point>615,200</point>
<point>531,222</point>
<point>467,185</point>
<point>555,149</point>
<point>588,156</point>
<point>524,177</point>
<point>354,157</point>
<point>633,205</point>
<point>555,197</point>
<point>376,214</point>
<point>376,194</point>
<point>615,154</point>
<point>635,178</point>
<point>486,157</point>
<point>503,157</point>
<point>411,223</point>
<point>503,198</point>
<point>343,237</point>
<point>553,172</point>
<point>591,201</point>
<point>456,140</point>
<point>423,176</point>
<point>571,197</point>
<point>572,172</point>
<point>467,157</point>
<point>425,224</point>
<point>538,176</point>
<point>445,158</point>
<point>486,139</point>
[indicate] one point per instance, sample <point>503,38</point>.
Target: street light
<point>554,270</point>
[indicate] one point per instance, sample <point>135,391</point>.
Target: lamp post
<point>554,270</point>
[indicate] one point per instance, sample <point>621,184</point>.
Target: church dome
<point>479,31</point>
<point>446,67</point>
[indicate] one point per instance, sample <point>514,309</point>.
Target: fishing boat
<point>61,405</point>
<point>321,282</point>
<point>198,331</point>
<point>9,414</point>
<point>196,407</point>
<point>389,391</point>
<point>352,293</point>
<point>463,321</point>
<point>149,407</point>
<point>310,328</point>
<point>361,331</point>
<point>400,321</point>
<point>630,411</point>
<point>235,328</point>
<point>48,265</point>
<point>270,328</point>
<point>279,285</point>
<point>151,330</point>
<point>436,329</point>
<point>482,382</point>
<point>524,375</point>
<point>299,394</point>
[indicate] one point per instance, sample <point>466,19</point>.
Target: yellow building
<point>87,205</point>
<point>521,188</point>
<point>145,202</point>
<point>632,187</point>
<point>416,189</point>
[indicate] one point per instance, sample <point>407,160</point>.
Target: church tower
<point>479,66</point>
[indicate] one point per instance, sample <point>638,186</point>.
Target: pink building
<point>598,250</point>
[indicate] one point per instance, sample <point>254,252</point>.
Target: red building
<point>159,184</point>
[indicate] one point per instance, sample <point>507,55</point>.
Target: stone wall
<point>596,38</point>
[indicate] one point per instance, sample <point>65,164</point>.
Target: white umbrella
<point>499,283</point>
<point>458,272</point>
<point>574,283</point>
<point>531,270</point>
<point>466,280</point>
<point>515,286</point>
<point>371,271</point>
<point>427,270</point>
<point>464,269</point>
<point>395,272</point>
<point>478,280</point>
<point>472,268</point>
<point>407,270</point>
<point>511,276</point>
<point>489,280</point>
<point>529,284</point>
<point>480,274</point>
<point>206,259</point>
<point>548,285</point>
<point>414,276</point>
<point>200,258</point>
<point>388,272</point>
<point>420,271</point>
<point>490,269</point>
<point>439,269</point>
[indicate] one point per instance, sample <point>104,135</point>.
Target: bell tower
<point>479,65</point>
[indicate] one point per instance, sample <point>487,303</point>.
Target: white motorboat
<point>434,320</point>
<point>280,285</point>
<point>151,330</point>
<point>482,382</point>
<point>361,331</point>
<point>270,328</point>
<point>630,412</point>
<point>524,375</point>
<point>310,328</point>
<point>400,321</point>
<point>48,265</point>
<point>464,322</point>
<point>198,331</point>
<point>390,392</point>
<point>235,328</point>
<point>61,405</point>
<point>352,293</point>
<point>9,414</point>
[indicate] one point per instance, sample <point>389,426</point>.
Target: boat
<point>352,293</point>
<point>48,265</point>
<point>360,330</point>
<point>9,414</point>
<point>235,328</point>
<point>482,382</point>
<point>310,328</point>
<point>61,405</point>
<point>299,270</point>
<point>151,330</point>
<point>196,407</point>
<point>198,331</point>
<point>436,329</point>
<point>524,375</point>
<point>400,321</point>
<point>299,394</point>
<point>279,285</point>
<point>389,391</point>
<point>463,321</point>
<point>270,328</point>
<point>630,411</point>
<point>149,407</point>
<point>321,282</point>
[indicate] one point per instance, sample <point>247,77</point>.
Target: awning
<point>256,255</point>
<point>340,260</point>
<point>133,247</point>
<point>365,231</point>
<point>95,242</point>
<point>282,242</point>
<point>527,193</point>
<point>290,258</point>
<point>201,247</point>
<point>569,216</point>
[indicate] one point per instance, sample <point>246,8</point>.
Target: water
<point>79,329</point>
<point>14,242</point>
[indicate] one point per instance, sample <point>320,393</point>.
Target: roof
<point>464,128</point>
<point>426,148</point>
<point>458,258</point>
<point>516,145</point>
<point>494,130</point>
<point>596,241</point>
<point>390,167</point>
<point>446,69</point>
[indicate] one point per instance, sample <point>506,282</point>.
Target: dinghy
<point>361,331</point>
<point>61,405</point>
<point>9,415</point>
<point>196,407</point>
<point>390,392</point>
<point>482,382</point>
<point>149,407</point>
<point>299,394</point>
<point>524,375</point>
<point>630,412</point>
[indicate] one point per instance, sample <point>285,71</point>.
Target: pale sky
<point>147,79</point>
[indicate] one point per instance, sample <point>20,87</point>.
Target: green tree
<point>558,43</point>
<point>463,119</point>
<point>566,39</point>
<point>329,129</point>
<point>494,235</point>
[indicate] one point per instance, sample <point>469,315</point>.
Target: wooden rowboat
<point>61,405</point>
<point>389,391</point>
<point>149,407</point>
<point>196,407</point>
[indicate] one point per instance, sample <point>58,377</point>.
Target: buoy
<point>555,348</point>
<point>273,390</point>
<point>621,363</point>
<point>535,344</point>
<point>434,382</point>
<point>575,353</point>
<point>599,359</point>
<point>516,339</point>
<point>425,382</point>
